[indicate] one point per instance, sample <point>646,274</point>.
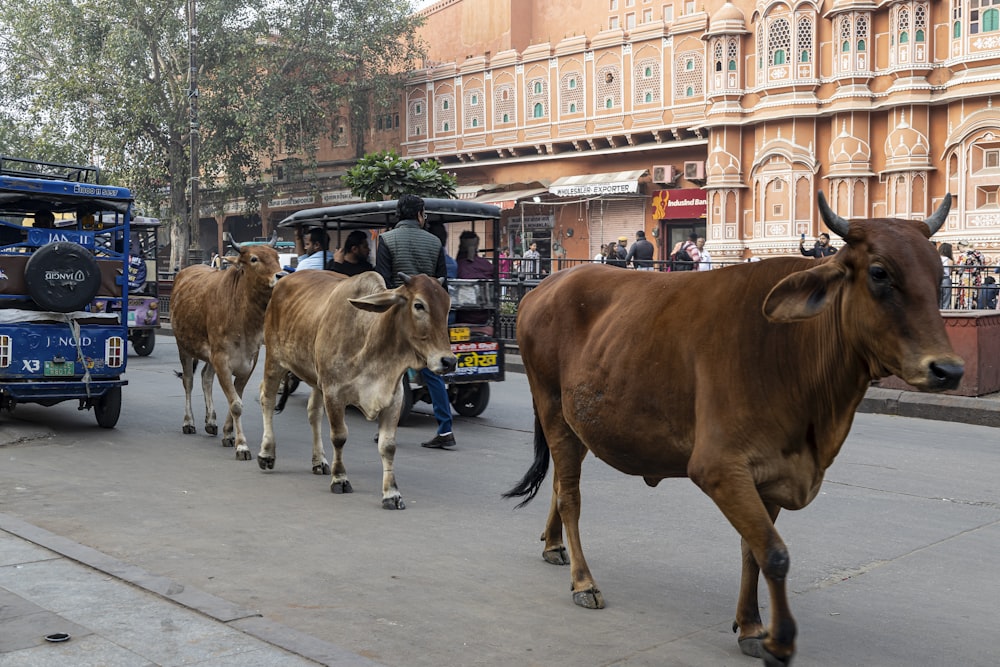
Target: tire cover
<point>62,277</point>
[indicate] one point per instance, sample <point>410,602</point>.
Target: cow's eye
<point>253,260</point>
<point>878,274</point>
<point>418,306</point>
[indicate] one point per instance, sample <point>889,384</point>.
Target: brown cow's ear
<point>805,294</point>
<point>378,302</point>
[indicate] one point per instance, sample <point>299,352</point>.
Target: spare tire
<point>62,277</point>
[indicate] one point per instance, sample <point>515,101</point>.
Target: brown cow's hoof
<point>394,503</point>
<point>321,469</point>
<point>265,462</point>
<point>556,556</point>
<point>771,660</point>
<point>243,454</point>
<point>591,598</point>
<point>753,646</point>
<point>189,430</point>
<point>228,440</point>
<point>341,487</point>
<point>212,429</point>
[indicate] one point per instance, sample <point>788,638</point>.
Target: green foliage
<point>107,82</point>
<point>386,175</point>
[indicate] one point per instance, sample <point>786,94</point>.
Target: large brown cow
<point>351,339</point>
<point>218,317</point>
<point>744,379</point>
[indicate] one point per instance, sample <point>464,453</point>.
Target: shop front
<point>613,204</point>
<point>676,214</point>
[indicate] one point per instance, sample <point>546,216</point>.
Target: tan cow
<point>352,340</point>
<point>218,317</point>
<point>744,379</point>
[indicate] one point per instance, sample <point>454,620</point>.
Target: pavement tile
<point>88,651</point>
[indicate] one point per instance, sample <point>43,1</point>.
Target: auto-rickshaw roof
<point>382,214</point>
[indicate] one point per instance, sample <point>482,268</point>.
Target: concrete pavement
<point>117,614</point>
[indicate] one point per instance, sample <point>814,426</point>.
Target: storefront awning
<point>611,183</point>
<point>507,200</point>
<point>468,191</point>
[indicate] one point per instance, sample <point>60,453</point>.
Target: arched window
<point>845,46</point>
<point>919,35</point>
<point>861,45</point>
<point>419,109</point>
<point>732,65</point>
<point>572,107</point>
<point>991,20</point>
<point>648,72</point>
<point>956,30</point>
<point>718,66</point>
<point>445,127</point>
<point>804,56</point>
<point>649,98</point>
<point>475,122</point>
<point>444,104</point>
<point>904,37</point>
<point>689,65</point>
<point>539,109</point>
<point>538,88</point>
<point>572,84</point>
<point>609,103</point>
<point>506,118</point>
<point>689,91</point>
<point>779,57</point>
<point>475,99</point>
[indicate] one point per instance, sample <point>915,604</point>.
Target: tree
<point>109,79</point>
<point>386,175</point>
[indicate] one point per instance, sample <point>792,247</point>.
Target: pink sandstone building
<point>587,120</point>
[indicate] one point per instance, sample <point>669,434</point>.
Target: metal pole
<point>195,215</point>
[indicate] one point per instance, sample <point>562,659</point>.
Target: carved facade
<point>883,104</point>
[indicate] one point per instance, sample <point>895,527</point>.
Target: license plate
<point>58,368</point>
<point>459,333</point>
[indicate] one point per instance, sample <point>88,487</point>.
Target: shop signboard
<point>683,204</point>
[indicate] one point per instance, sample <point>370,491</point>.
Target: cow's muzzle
<point>945,375</point>
<point>446,363</point>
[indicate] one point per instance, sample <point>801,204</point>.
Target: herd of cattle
<point>744,380</point>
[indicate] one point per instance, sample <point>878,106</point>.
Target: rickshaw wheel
<point>144,342</point>
<point>108,408</point>
<point>471,399</point>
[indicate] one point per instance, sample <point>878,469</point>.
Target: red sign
<point>679,204</point>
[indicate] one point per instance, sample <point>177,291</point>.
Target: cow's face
<point>421,318</point>
<point>884,288</point>
<point>261,264</point>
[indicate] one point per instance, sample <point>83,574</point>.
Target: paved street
<point>893,564</point>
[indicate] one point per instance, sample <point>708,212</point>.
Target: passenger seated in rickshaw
<point>472,267</point>
<point>352,259</point>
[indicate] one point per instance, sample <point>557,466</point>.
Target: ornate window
<point>415,117</point>
<point>779,40</point>
<point>538,97</point>
<point>609,88</point>
<point>503,103</point>
<point>571,92</point>
<point>472,110</point>
<point>646,81</point>
<point>852,31</point>
<point>908,33</point>
<point>446,113</point>
<point>688,75</point>
<point>984,16</point>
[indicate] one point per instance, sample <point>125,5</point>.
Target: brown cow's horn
<point>836,224</point>
<point>940,215</point>
<point>273,242</point>
<point>228,238</point>
<point>405,278</point>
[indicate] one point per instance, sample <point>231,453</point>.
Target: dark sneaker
<point>440,442</point>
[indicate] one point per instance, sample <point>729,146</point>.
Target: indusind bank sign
<point>679,204</point>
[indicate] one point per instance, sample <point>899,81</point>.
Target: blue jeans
<point>439,399</point>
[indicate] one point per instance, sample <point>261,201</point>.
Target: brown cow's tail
<point>180,374</point>
<point>532,480</point>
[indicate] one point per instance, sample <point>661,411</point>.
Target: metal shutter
<point>611,218</point>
